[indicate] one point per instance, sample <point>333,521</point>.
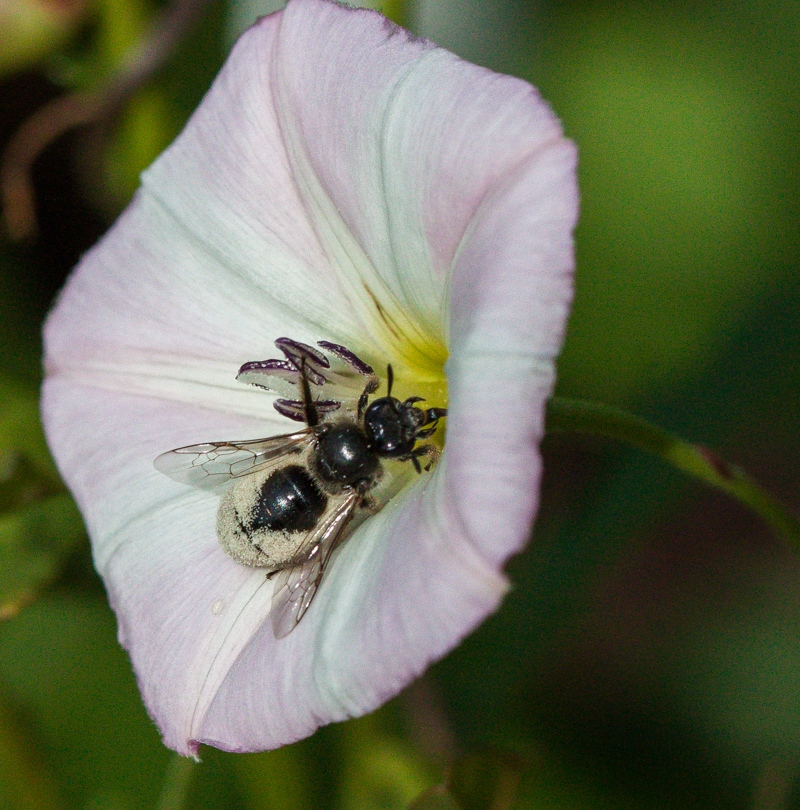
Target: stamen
<point>257,372</point>
<point>343,386</point>
<point>345,354</point>
<point>295,410</point>
<point>296,351</point>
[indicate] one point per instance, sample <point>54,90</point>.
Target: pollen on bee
<point>240,530</point>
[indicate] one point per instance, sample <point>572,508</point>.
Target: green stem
<point>579,416</point>
<point>175,789</point>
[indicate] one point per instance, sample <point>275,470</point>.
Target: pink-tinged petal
<point>154,542</point>
<point>240,200</point>
<point>403,589</point>
<point>210,263</point>
<point>152,311</point>
<point>510,296</point>
<point>402,141</point>
<point>342,182</point>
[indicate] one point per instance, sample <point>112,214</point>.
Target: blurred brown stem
<point>429,726</point>
<point>774,786</point>
<point>98,109</point>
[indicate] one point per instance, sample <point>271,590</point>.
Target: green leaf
<point>275,780</point>
<point>21,434</point>
<point>678,234</point>
<point>396,10</point>
<point>21,291</point>
<point>39,524</point>
<point>21,482</point>
<point>143,131</point>
<point>25,781</point>
<point>177,780</point>
<point>485,780</point>
<point>34,543</point>
<point>380,770</point>
<point>32,31</point>
<point>61,662</point>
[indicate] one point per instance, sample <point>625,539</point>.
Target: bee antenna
<point>309,408</point>
<point>390,376</point>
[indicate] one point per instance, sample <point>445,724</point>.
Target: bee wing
<point>295,586</point>
<point>210,465</point>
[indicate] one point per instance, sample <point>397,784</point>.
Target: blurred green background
<point>649,655</point>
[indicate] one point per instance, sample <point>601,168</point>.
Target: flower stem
<point>177,779</point>
<point>580,416</point>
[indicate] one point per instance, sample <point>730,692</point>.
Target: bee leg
<point>370,388</point>
<point>370,504</point>
<point>426,450</point>
<point>418,452</point>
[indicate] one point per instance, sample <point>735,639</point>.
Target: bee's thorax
<point>344,456</point>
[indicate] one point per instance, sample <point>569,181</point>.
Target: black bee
<point>291,497</point>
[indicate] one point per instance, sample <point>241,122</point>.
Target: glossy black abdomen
<point>289,501</point>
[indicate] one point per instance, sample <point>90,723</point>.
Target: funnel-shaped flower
<point>347,183</point>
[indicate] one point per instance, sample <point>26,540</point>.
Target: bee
<point>287,501</point>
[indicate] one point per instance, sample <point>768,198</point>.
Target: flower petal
<point>256,225</point>
<point>511,290</point>
<point>152,311</point>
<point>403,589</point>
<point>341,181</point>
<point>401,141</point>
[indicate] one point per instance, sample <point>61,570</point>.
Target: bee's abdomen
<point>289,501</point>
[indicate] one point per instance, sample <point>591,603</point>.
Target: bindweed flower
<point>341,182</point>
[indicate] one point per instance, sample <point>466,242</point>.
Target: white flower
<point>344,182</point>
